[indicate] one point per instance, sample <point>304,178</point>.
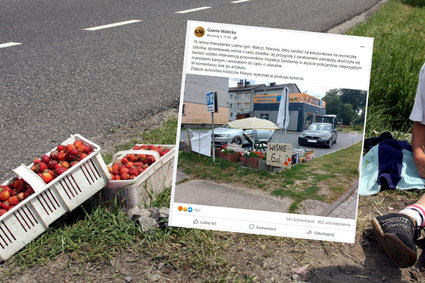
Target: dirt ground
<point>236,257</point>
<point>245,258</point>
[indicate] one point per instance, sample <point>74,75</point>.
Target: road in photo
<point>343,141</point>
<point>89,67</point>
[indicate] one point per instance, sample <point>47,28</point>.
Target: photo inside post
<point>270,131</point>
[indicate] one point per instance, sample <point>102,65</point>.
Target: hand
<point>419,159</point>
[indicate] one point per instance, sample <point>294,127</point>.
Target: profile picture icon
<point>199,31</point>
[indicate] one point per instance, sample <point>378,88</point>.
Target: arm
<point>418,147</point>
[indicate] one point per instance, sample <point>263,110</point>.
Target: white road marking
<point>192,10</point>
<point>9,44</point>
<point>113,25</point>
<point>239,1</point>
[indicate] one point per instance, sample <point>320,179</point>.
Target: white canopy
<point>253,123</point>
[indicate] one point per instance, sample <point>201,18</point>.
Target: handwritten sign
<point>279,155</point>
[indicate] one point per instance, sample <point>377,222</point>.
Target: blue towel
<point>389,164</point>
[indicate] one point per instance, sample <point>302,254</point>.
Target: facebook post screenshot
<point>271,126</point>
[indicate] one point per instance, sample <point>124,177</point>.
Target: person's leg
<point>416,211</point>
<point>421,201</point>
<point>397,232</point>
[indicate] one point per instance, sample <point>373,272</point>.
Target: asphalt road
<point>63,79</point>
<point>343,141</point>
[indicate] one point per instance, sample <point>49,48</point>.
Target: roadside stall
<point>70,174</point>
<point>247,141</point>
<point>261,153</point>
<point>260,127</point>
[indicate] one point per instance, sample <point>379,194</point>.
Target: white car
<point>226,135</point>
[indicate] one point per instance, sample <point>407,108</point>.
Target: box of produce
<point>140,174</point>
<point>19,221</point>
<point>74,169</point>
<point>57,182</point>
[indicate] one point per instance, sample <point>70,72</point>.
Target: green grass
<point>299,196</point>
<point>347,129</point>
<point>322,177</point>
<point>182,247</point>
<point>96,232</point>
<point>304,181</point>
<point>287,182</point>
<point>165,134</point>
<point>295,173</point>
<point>337,189</point>
<point>161,200</point>
<point>98,235</point>
<point>222,170</point>
<point>399,52</point>
<point>343,162</point>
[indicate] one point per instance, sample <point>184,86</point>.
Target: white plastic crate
<point>82,182</point>
<point>78,183</point>
<point>21,224</point>
<point>148,184</point>
<point>18,227</point>
<point>33,215</point>
<point>46,201</point>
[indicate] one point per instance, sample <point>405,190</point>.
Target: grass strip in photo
<point>325,179</point>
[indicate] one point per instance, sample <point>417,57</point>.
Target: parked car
<point>226,135</point>
<point>318,134</point>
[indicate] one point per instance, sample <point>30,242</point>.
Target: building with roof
<point>194,112</point>
<point>241,97</point>
<point>304,109</point>
<point>274,88</point>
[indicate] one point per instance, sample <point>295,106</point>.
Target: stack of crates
<point>32,216</point>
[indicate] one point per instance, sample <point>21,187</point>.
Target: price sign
<point>279,155</point>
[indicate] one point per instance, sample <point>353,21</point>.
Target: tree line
<point>347,104</point>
